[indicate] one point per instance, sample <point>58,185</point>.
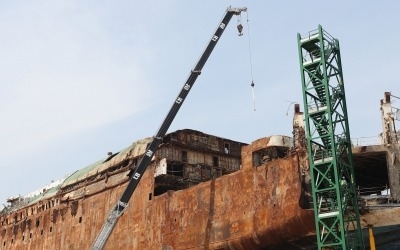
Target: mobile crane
<point>136,174</point>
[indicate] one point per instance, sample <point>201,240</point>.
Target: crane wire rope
<point>251,61</point>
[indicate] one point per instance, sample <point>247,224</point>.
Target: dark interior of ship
<point>371,172</point>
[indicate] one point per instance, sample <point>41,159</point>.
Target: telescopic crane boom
<point>136,174</point>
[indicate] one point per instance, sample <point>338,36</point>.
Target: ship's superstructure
<point>200,191</point>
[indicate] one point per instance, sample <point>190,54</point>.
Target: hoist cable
<point>251,61</point>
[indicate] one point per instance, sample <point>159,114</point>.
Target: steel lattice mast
<point>328,141</point>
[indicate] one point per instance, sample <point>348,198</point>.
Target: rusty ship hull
<point>252,205</point>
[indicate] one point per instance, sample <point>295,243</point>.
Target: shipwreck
<point>199,192</point>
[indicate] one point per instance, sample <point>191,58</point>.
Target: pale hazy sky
<point>82,78</point>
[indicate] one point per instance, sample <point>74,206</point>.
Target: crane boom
<point>136,174</point>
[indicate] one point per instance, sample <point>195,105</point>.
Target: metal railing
<point>374,191</point>
<point>366,141</point>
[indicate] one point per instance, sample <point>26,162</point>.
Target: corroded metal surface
<point>255,207</point>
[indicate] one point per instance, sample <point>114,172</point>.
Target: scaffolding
<point>328,142</point>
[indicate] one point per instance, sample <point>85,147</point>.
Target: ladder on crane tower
<point>335,201</point>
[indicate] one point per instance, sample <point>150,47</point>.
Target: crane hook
<point>240,29</point>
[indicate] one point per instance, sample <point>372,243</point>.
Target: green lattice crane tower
<point>335,201</point>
